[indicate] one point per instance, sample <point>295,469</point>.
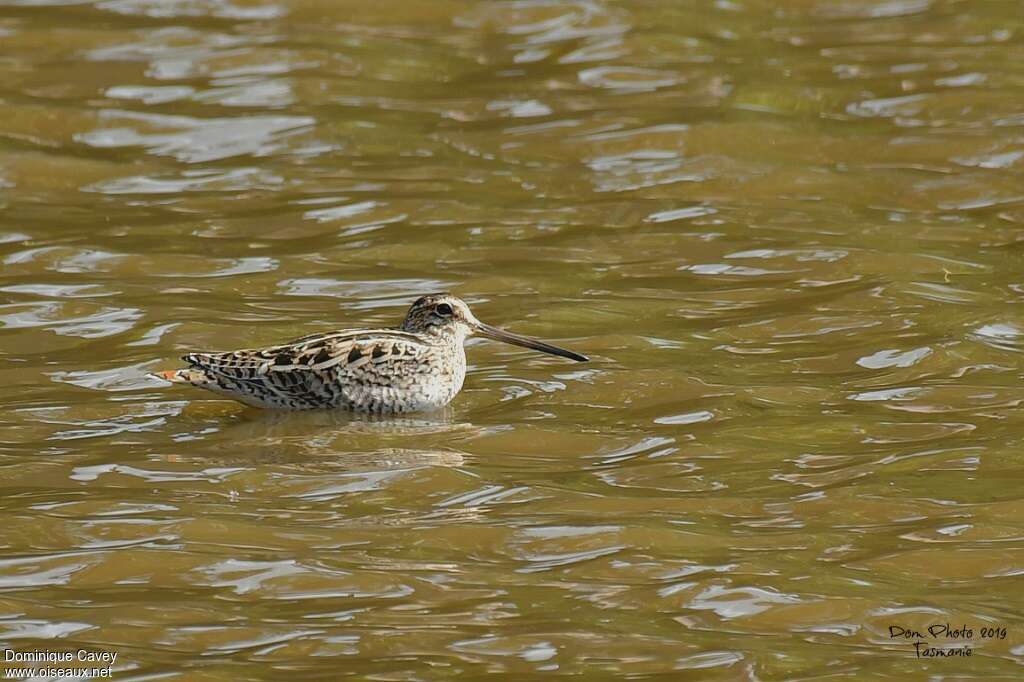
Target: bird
<point>418,366</point>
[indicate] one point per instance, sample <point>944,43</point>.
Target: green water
<point>788,235</point>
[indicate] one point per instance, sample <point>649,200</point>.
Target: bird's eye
<point>444,309</point>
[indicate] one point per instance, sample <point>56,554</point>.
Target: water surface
<point>788,235</point>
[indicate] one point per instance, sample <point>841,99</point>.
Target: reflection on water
<point>786,233</point>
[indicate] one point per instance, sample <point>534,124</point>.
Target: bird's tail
<point>195,377</point>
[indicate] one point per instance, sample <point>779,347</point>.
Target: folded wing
<point>322,370</point>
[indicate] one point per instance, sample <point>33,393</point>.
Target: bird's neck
<point>446,335</point>
<point>442,334</point>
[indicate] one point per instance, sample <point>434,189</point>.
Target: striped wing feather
<point>339,350</point>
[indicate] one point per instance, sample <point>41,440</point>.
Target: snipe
<point>418,366</point>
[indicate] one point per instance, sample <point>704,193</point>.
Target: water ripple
<point>195,140</point>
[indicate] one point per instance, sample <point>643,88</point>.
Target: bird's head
<point>447,315</point>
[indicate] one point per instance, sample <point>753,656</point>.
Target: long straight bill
<point>527,342</point>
